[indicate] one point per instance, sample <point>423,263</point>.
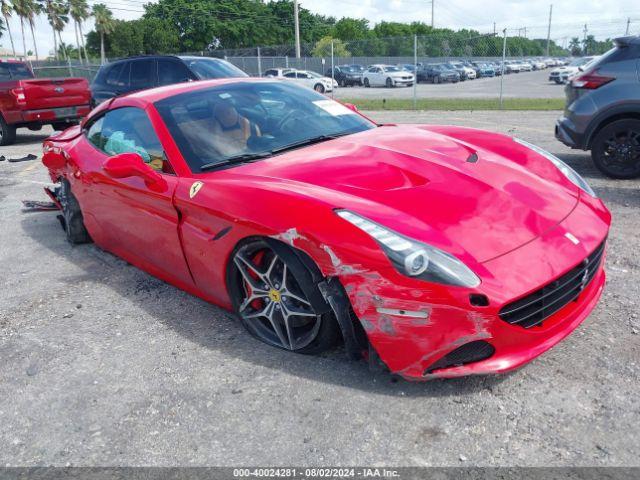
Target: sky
<point>604,19</point>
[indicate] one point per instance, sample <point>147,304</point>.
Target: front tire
<point>366,83</point>
<point>389,83</point>
<point>7,132</point>
<point>319,88</point>
<point>73,225</point>
<point>615,150</point>
<point>271,304</point>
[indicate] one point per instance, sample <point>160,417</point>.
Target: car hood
<point>431,187</point>
<point>398,74</point>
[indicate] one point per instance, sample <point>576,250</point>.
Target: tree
<point>79,11</point>
<point>589,45</point>
<point>323,48</point>
<point>6,9</point>
<point>574,46</point>
<point>24,9</point>
<point>104,25</point>
<point>36,9</point>
<point>57,17</point>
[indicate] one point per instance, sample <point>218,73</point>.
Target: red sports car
<point>440,251</point>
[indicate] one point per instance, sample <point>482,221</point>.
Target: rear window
<point>14,71</point>
<point>616,54</point>
<point>208,68</point>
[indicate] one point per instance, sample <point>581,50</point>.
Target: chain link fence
<point>437,59</point>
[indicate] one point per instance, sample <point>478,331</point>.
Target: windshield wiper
<point>242,158</point>
<point>309,141</point>
<point>248,157</point>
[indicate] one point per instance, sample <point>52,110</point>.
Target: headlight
<point>566,170</point>
<point>413,258</point>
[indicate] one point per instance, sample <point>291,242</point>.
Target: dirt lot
<point>516,85</point>
<point>102,364</point>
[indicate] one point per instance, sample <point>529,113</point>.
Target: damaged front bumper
<point>422,330</point>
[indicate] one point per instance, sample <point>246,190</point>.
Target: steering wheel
<point>288,118</point>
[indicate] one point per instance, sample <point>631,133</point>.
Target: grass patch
<point>457,103</point>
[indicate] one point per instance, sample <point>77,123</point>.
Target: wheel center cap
<point>274,295</point>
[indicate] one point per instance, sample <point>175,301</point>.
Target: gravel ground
<point>516,85</point>
<point>104,365</point>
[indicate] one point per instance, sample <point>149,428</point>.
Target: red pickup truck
<point>26,101</point>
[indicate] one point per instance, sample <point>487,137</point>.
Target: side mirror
<point>351,106</point>
<point>126,165</point>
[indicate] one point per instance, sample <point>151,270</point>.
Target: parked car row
<point>562,74</point>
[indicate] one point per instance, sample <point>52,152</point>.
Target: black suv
<point>602,113</point>
<point>139,73</point>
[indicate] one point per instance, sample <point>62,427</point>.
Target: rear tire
<point>615,150</point>
<point>366,83</point>
<point>7,133</point>
<point>436,79</point>
<point>73,221</point>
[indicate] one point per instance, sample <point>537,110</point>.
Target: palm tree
<point>24,9</point>
<point>6,9</point>
<point>104,25</point>
<point>36,9</point>
<point>57,17</point>
<point>79,10</point>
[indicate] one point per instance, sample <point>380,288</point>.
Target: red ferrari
<point>440,251</point>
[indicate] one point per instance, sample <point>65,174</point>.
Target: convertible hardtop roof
<point>153,95</point>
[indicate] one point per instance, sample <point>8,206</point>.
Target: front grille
<point>467,353</point>
<point>533,309</point>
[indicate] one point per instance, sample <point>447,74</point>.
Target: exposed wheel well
<point>608,121</point>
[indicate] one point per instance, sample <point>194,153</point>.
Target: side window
<point>172,71</point>
<point>115,76</point>
<point>4,72</point>
<point>129,130</point>
<point>272,73</point>
<point>143,74</point>
<point>94,133</point>
<point>290,75</point>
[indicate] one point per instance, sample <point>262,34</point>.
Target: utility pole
<point>432,8</point>
<point>549,29</point>
<point>494,28</point>
<point>628,23</point>
<point>584,39</point>
<point>297,27</point>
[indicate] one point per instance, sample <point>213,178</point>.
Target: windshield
<point>208,68</point>
<point>245,121</point>
<point>14,71</point>
<point>392,69</point>
<point>315,74</point>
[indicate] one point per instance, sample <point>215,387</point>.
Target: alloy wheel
<point>272,304</point>
<point>622,151</point>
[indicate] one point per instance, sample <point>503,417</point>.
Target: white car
<point>319,83</point>
<point>525,66</point>
<point>387,75</point>
<point>562,74</point>
<point>539,65</point>
<point>277,72</point>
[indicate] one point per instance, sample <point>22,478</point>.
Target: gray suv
<point>602,113</point>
